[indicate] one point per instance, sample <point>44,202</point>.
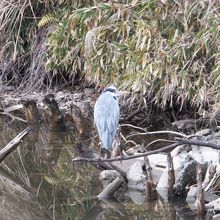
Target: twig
<point>159,132</point>
<point>153,132</point>
<point>13,144</point>
<point>133,126</point>
<point>13,117</point>
<point>127,141</point>
<point>159,140</point>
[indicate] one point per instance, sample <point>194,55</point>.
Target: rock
<point>157,163</point>
<point>179,155</point>
<point>216,217</point>
<point>135,174</point>
<point>206,154</point>
<point>214,205</point>
<point>108,176</point>
<point>192,193</point>
<point>185,176</point>
<point>125,165</point>
<point>136,196</point>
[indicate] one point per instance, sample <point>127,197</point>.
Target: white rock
<point>108,176</point>
<point>135,174</point>
<point>136,196</point>
<point>214,204</point>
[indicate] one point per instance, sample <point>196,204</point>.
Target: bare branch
<point>133,126</point>
<point>164,149</point>
<point>13,144</point>
<point>159,132</point>
<point>199,143</point>
<point>153,132</point>
<point>13,117</point>
<point>159,140</point>
<point>170,147</point>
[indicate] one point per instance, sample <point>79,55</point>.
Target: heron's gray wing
<point>106,117</point>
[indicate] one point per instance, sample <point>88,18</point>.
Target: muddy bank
<point>149,116</point>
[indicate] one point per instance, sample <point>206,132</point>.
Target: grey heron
<point>106,117</point>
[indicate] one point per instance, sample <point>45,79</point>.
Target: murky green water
<point>38,181</point>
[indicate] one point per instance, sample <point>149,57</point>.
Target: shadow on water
<point>38,181</point>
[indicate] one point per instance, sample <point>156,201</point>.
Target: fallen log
<point>13,144</point>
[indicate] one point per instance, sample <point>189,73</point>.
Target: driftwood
<point>111,188</point>
<point>200,202</point>
<point>150,187</point>
<point>171,175</point>
<point>13,144</point>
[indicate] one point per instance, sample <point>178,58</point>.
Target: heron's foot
<point>99,159</point>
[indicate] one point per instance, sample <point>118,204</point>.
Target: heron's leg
<point>107,154</point>
<point>100,152</point>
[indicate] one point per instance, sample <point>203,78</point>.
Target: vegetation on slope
<point>163,50</point>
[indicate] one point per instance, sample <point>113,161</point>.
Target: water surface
<point>38,181</point>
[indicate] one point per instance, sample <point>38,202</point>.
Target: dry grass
<point>165,51</point>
